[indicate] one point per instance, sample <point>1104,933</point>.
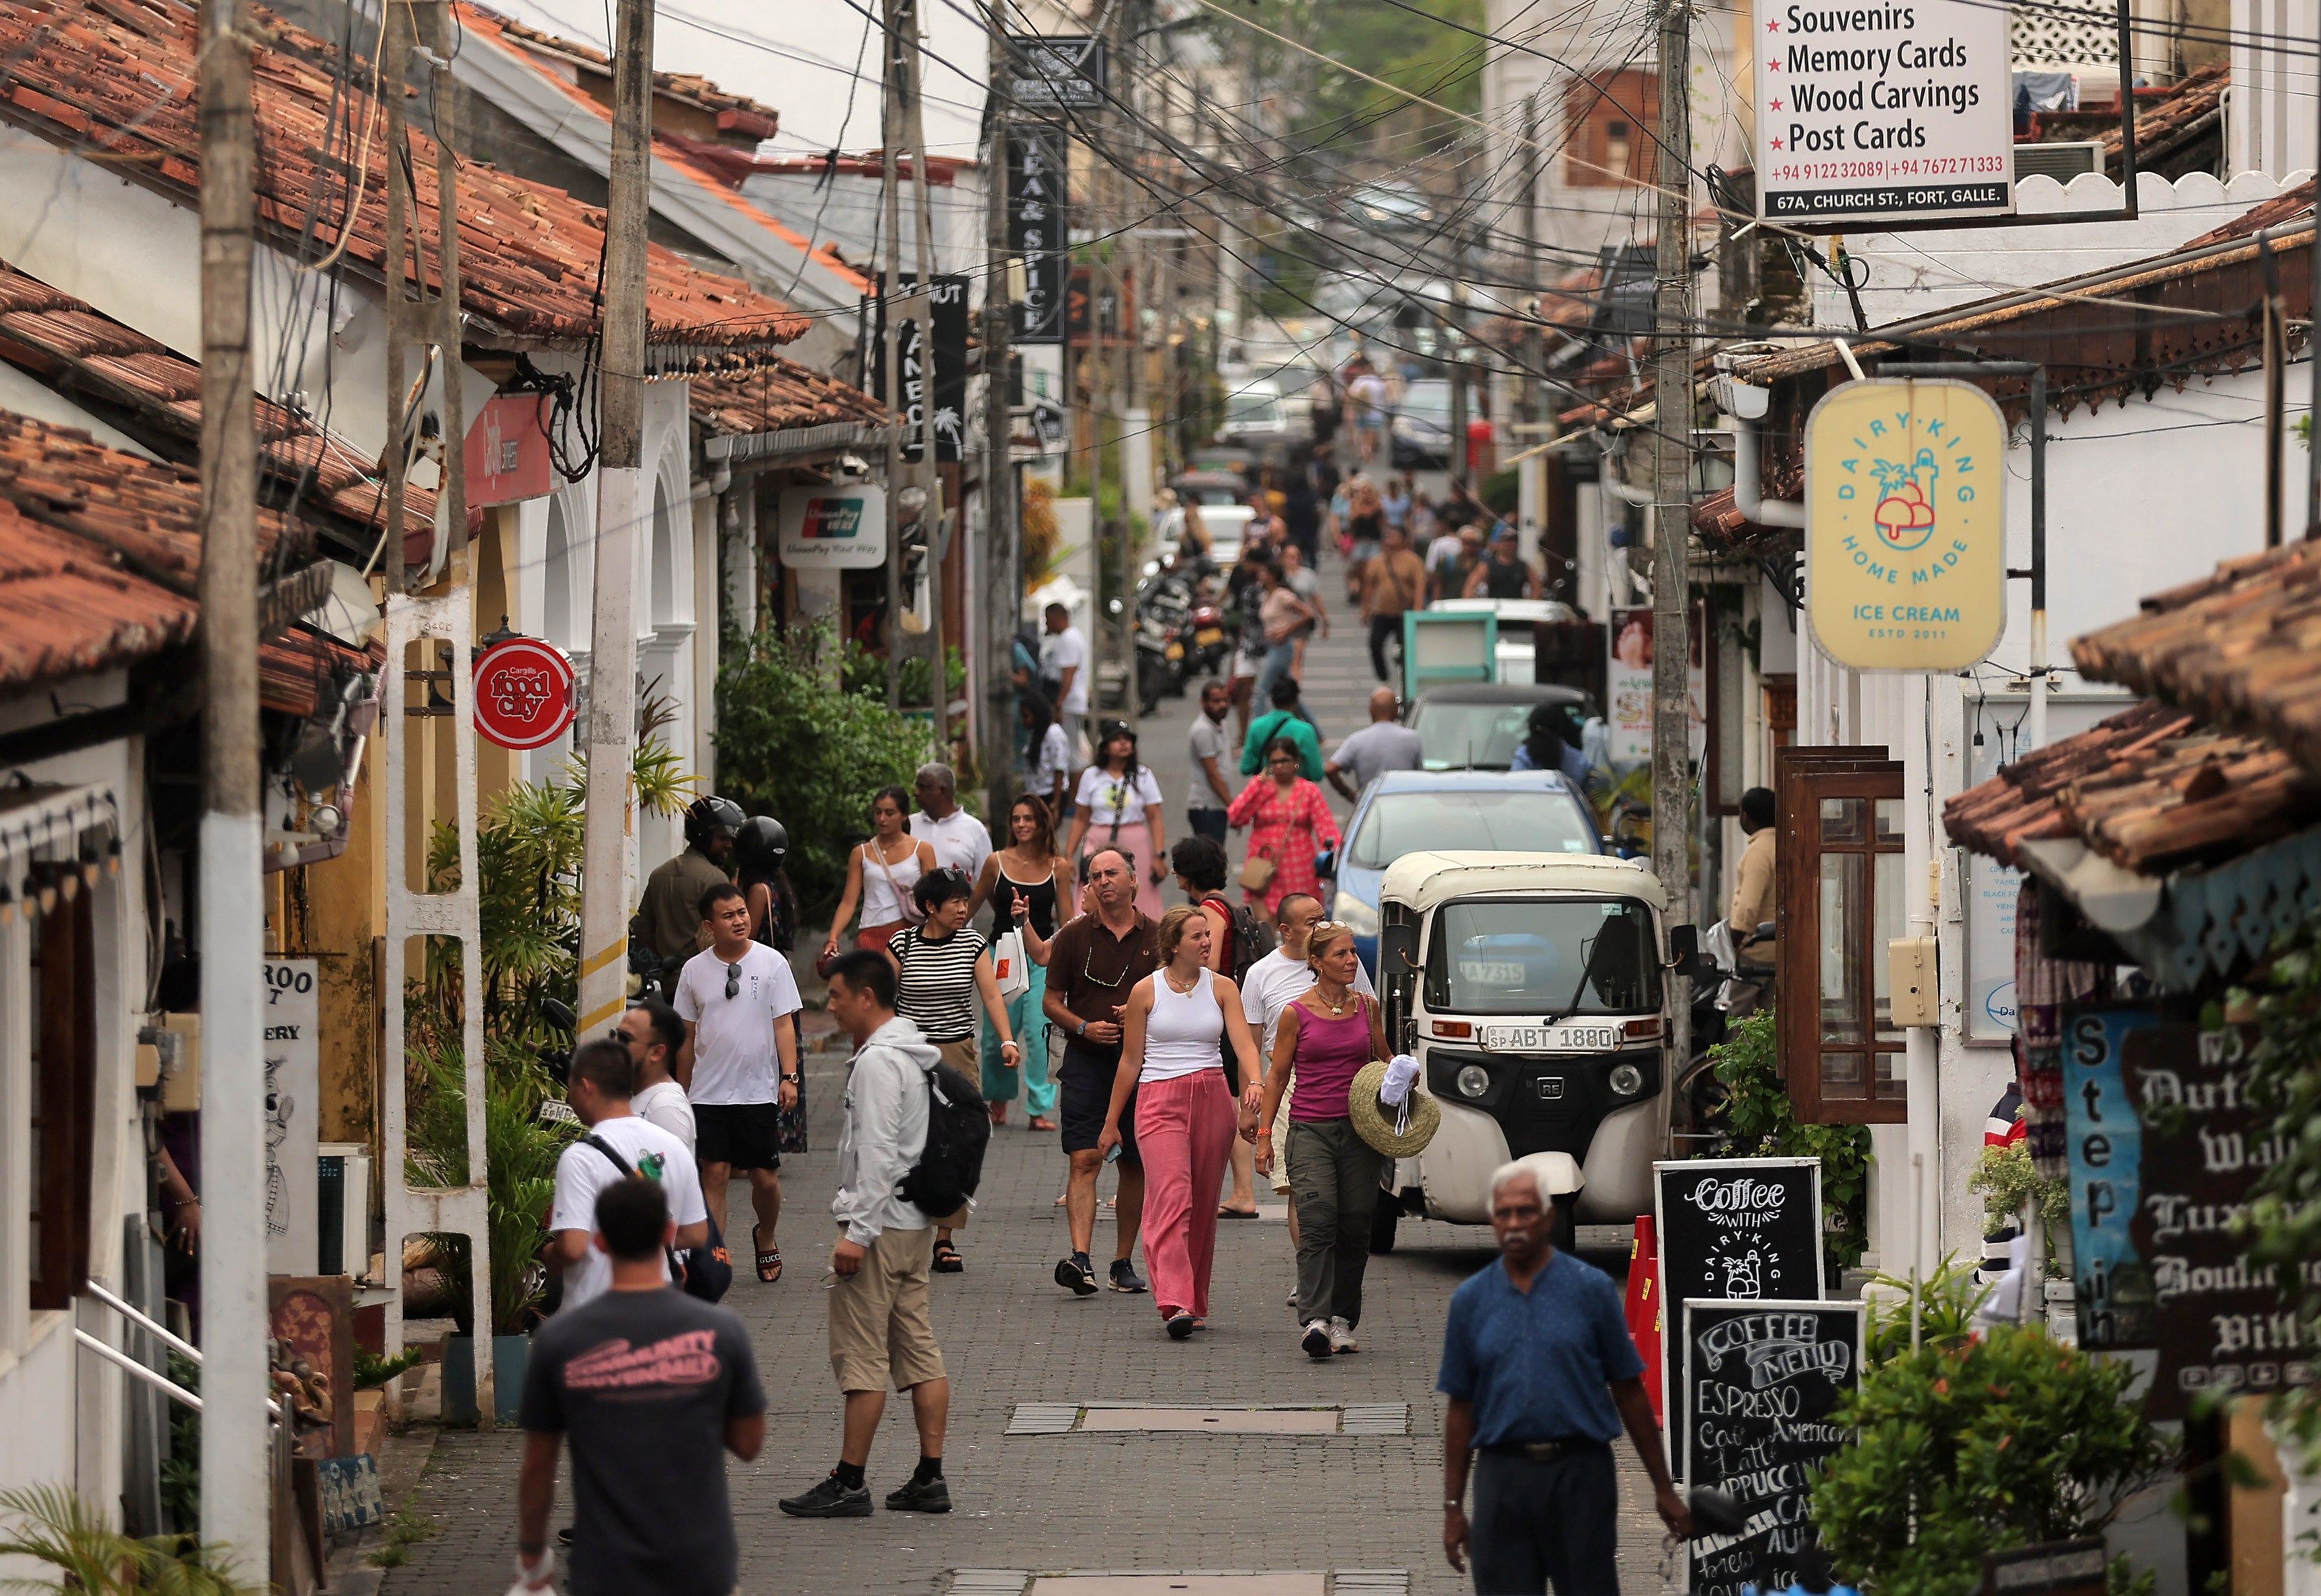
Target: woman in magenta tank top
<point>1326,1037</point>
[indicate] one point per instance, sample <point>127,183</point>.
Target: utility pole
<point>1672,489</point>
<point>890,131</point>
<point>237,1492</point>
<point>624,502</point>
<point>452,486</point>
<point>1529,511</point>
<point>923,303</point>
<point>1000,584</point>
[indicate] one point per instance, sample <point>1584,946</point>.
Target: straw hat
<point>1374,1122</point>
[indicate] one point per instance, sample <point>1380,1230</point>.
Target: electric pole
<point>1000,586</point>
<point>891,131</point>
<point>930,472</point>
<point>451,488</point>
<point>1672,488</point>
<point>237,1491</point>
<point>624,502</point>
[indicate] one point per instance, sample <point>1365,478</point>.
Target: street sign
<point>949,316</point>
<point>524,697</point>
<point>1039,230</point>
<point>1905,526</point>
<point>1055,72</point>
<point>1884,112</point>
<point>832,528</point>
<point>507,450</point>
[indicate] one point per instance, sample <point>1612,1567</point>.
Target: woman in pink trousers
<point>1185,1116</point>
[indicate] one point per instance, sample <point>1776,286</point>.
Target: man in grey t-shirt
<point>1211,795</point>
<point>1383,745</point>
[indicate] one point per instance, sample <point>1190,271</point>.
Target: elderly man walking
<point>1542,1377</point>
<point>958,838</point>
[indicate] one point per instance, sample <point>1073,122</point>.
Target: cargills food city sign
<point>1905,525</point>
<point>1878,112</point>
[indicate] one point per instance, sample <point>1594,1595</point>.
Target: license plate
<point>1174,651</point>
<point>1208,635</point>
<point>1551,1038</point>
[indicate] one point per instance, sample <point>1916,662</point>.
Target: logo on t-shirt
<point>686,1359</point>
<point>651,1166</point>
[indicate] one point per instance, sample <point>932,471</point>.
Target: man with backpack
<point>617,1145</point>
<point>880,1330</point>
<point>1238,940</point>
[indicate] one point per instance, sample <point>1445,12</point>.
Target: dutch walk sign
<point>1905,525</point>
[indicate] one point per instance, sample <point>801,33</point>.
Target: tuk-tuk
<point>1530,988</point>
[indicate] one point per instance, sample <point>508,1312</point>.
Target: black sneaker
<point>1074,1274</point>
<point>1124,1277</point>
<point>1180,1325</point>
<point>827,1499</point>
<point>932,1497</point>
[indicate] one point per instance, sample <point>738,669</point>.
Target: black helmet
<point>761,843</point>
<point>703,816</point>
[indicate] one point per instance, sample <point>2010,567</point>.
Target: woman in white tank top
<point>1172,1078</point>
<point>880,874</point>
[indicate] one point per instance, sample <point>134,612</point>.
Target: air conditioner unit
<point>2062,162</point>
<point>342,1209</point>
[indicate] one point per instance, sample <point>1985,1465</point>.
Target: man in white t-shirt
<point>740,1065</point>
<point>1064,661</point>
<point>958,838</point>
<point>599,1089</point>
<point>1274,983</point>
<point>655,1038</point>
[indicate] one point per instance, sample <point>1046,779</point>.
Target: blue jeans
<point>1210,823</point>
<point>1278,658</point>
<point>1030,1027</point>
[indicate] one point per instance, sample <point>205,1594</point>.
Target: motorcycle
<point>1159,663</point>
<point>1739,987</point>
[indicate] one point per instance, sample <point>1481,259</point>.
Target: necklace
<point>1169,976</point>
<point>1336,1005</point>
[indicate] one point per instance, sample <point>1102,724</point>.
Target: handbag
<point>1010,965</point>
<point>1257,872</point>
<point>912,913</point>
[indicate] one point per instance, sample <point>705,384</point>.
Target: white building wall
<point>2268,114</point>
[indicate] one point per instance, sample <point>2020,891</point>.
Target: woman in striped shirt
<point>941,969</point>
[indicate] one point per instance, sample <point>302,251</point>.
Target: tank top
<point>1040,894</point>
<point>1330,1054</point>
<point>780,933</point>
<point>1504,581</point>
<point>1182,1032</point>
<point>882,902</point>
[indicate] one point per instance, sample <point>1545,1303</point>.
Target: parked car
<point>1206,488</point>
<point>1422,426</point>
<point>1224,524</point>
<point>1476,725</point>
<point>1407,812</point>
<point>1255,416</point>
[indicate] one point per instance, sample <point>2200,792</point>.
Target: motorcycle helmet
<point>761,843</point>
<point>704,816</point>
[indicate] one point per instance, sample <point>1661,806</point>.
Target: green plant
<point>404,1530</point>
<point>181,1471</point>
<point>49,1525</point>
<point>520,1156</point>
<point>1947,1301</point>
<point>2007,1180</point>
<point>1761,1122</point>
<point>372,1372</point>
<point>865,673</point>
<point>1501,490</point>
<point>1996,1442</point>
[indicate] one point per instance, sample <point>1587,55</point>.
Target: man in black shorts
<point>1093,964</point>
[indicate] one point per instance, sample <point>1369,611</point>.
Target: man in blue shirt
<point>1542,1377</point>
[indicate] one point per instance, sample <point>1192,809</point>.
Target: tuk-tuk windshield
<point>1541,957</point>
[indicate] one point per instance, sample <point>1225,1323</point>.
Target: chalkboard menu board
<point>1746,1228</point>
<point>1765,1382</point>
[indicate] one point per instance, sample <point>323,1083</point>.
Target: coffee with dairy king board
<point>1766,1379</point>
<point>1731,1229</point>
<point>1883,111</point>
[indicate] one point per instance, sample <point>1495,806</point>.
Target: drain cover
<point>1301,1583</point>
<point>1259,1421</point>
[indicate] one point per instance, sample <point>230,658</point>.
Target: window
<point>63,1096</point>
<point>1492,822</point>
<point>1611,120</point>
<point>1841,900</point>
<point>1586,956</point>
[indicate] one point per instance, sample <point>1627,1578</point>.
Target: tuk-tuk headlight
<point>1474,1081</point>
<point>1626,1079</point>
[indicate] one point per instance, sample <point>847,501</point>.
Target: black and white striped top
<point>936,989</point>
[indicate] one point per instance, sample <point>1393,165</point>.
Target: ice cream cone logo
<point>1905,513</point>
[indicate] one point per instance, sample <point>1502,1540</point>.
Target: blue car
<point>1406,811</point>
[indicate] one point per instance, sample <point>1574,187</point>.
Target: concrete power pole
<point>890,133</point>
<point>236,1478</point>
<point>1000,582</point>
<point>923,313</point>
<point>624,504</point>
<point>1673,485</point>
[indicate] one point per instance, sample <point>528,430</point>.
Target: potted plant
<point>49,1525</point>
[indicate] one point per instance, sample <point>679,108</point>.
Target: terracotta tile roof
<point>2169,120</point>
<point>67,609</point>
<point>779,396</point>
<point>67,343</point>
<point>734,113</point>
<point>2273,212</point>
<point>119,75</point>
<point>294,667</point>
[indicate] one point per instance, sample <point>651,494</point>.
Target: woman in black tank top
<point>1029,883</point>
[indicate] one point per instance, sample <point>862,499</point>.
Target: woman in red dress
<point>1292,822</point>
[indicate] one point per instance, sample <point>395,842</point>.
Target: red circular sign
<point>523,692</point>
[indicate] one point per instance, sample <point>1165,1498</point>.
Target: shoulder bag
<point>908,905</point>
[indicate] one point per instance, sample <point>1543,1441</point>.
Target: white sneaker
<point>1316,1341</point>
<point>1342,1336</point>
<point>1291,1300</point>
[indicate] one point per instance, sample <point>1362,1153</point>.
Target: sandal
<point>947,1259</point>
<point>770,1259</point>
<point>1225,1210</point>
<point>1042,1124</point>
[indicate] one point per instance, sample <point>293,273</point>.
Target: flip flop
<point>1044,1124</point>
<point>1226,1212</point>
<point>770,1259</point>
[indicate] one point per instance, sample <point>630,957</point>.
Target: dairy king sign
<point>1874,113</point>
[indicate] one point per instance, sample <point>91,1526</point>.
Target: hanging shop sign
<point>1905,529</point>
<point>1731,1229</point>
<point>1628,686</point>
<point>832,528</point>
<point>1883,111</point>
<point>1055,72</point>
<point>507,450</point>
<point>524,696</point>
<point>1039,230</point>
<point>945,385</point>
<point>294,1057</point>
<point>1767,1378</point>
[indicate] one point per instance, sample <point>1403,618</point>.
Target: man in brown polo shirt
<point>1093,964</point>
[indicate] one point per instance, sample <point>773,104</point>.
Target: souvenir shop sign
<point>1731,1229</point>
<point>1906,530</point>
<point>1766,1380</point>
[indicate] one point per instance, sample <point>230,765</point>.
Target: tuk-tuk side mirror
<point>1398,949</point>
<point>1684,954</point>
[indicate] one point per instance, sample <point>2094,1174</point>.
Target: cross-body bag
<point>911,912</point>
<point>706,1270</point>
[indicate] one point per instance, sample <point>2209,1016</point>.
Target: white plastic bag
<point>1010,962</point>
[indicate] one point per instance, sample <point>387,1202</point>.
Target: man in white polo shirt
<point>740,1066</point>
<point>959,838</point>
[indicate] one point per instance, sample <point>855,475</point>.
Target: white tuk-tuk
<point>1530,987</point>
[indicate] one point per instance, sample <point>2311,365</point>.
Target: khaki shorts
<point>879,1323</point>
<point>1279,1138</point>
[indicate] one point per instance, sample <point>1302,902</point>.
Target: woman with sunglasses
<point>1291,822</point>
<point>881,876</point>
<point>1118,794</point>
<point>1173,1024</point>
<point>1029,884</point>
<point>941,971</point>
